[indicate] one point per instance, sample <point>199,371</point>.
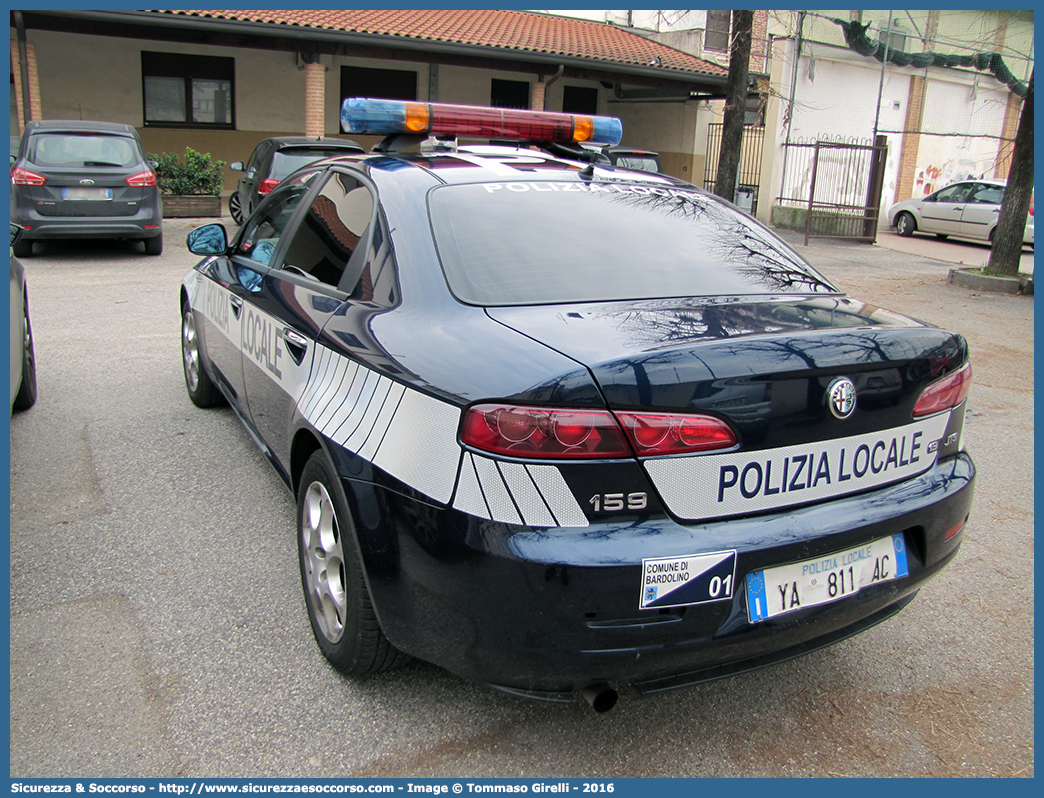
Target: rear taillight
<point>544,432</point>
<point>943,394</point>
<point>141,180</point>
<point>23,177</point>
<point>676,433</point>
<point>558,433</point>
<point>267,185</point>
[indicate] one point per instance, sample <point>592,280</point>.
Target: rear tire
<point>340,610</point>
<point>235,208</point>
<point>22,248</point>
<point>154,245</point>
<point>26,396</point>
<point>905,224</point>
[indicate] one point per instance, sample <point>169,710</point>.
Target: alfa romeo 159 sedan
<point>564,428</point>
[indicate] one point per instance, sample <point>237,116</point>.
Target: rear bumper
<point>548,612</point>
<point>146,223</point>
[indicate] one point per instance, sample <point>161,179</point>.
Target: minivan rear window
<point>82,149</point>
<point>538,243</point>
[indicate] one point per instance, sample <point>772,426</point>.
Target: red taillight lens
<point>267,185</point>
<point>953,530</point>
<point>556,433</point>
<point>142,180</point>
<point>943,394</point>
<point>23,177</point>
<point>540,432</point>
<point>676,433</point>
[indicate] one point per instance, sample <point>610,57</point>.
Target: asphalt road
<point>158,627</point>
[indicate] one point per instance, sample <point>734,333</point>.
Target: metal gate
<point>844,200</point>
<point>750,164</point>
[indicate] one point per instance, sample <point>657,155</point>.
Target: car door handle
<point>296,344</point>
<point>958,209</point>
<point>237,305</point>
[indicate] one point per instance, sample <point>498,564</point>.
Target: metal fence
<point>839,183</point>
<point>751,149</point>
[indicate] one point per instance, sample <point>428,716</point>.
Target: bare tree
<point>735,105</point>
<point>1007,239</point>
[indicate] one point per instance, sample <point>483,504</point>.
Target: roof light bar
<point>392,117</point>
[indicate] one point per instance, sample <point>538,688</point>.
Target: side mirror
<point>15,230</point>
<point>210,239</point>
<point>236,166</point>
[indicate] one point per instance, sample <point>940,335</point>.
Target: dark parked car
<point>75,179</point>
<point>630,158</point>
<point>272,160</point>
<point>23,354</point>
<point>566,430</point>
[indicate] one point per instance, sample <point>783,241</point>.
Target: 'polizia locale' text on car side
<point>565,428</point>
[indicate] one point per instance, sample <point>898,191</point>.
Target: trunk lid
<point>766,367</point>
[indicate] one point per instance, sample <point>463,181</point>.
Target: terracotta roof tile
<point>514,30</point>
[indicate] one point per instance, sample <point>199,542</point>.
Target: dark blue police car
<point>567,428</point>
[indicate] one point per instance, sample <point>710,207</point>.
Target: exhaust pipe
<point>601,697</point>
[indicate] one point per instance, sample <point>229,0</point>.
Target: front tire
<point>905,224</point>
<point>340,610</point>
<point>201,389</point>
<point>26,396</point>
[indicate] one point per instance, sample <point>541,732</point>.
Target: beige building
<point>220,82</point>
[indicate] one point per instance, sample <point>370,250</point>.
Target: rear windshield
<point>541,243</point>
<point>82,149</point>
<point>286,161</point>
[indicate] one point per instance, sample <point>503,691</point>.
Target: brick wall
<point>35,107</point>
<point>315,98</point>
<point>911,140</point>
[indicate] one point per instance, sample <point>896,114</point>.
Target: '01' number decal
<point>614,502</point>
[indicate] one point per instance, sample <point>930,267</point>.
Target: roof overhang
<point>293,38</point>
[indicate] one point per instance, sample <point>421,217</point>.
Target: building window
<point>384,84</point>
<point>509,93</point>
<point>716,36</point>
<point>579,100</point>
<point>188,90</point>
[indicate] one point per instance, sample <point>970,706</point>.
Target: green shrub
<point>199,174</point>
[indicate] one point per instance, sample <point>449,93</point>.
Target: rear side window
<point>79,149</point>
<point>986,194</point>
<point>541,243</point>
<point>333,231</point>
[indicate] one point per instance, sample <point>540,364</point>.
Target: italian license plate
<point>788,588</point>
<point>87,193</point>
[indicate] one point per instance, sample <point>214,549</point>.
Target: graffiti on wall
<point>932,178</point>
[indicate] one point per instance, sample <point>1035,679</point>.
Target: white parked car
<point>968,209</point>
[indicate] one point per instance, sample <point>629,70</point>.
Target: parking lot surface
<point>158,628</point>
